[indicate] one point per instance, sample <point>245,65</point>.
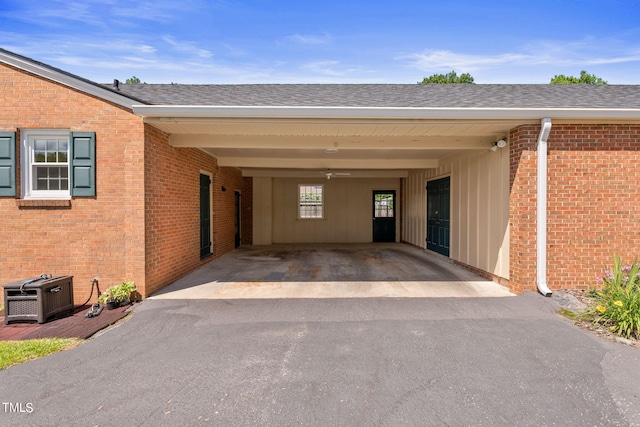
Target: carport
<point>351,270</point>
<point>504,180</point>
<point>359,146</point>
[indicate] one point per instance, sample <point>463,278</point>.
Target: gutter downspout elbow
<point>541,218</point>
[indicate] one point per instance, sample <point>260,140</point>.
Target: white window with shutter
<point>45,164</point>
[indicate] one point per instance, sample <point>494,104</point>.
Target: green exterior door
<point>205,215</point>
<point>438,215</point>
<point>384,216</point>
<point>237,218</point>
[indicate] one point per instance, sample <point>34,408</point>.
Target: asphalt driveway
<point>359,361</point>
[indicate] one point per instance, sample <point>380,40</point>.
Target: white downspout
<point>541,232</point>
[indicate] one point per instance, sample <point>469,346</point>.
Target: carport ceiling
<point>306,143</point>
<point>373,127</point>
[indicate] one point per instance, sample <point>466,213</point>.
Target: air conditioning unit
<point>38,299</point>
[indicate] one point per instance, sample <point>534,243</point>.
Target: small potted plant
<point>117,295</point>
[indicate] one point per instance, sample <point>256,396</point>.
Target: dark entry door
<point>384,216</point>
<point>205,215</point>
<point>438,215</point>
<point>237,217</point>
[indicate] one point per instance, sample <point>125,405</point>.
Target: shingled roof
<point>508,96</point>
<point>390,95</point>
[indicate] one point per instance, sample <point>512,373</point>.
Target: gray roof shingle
<point>390,95</point>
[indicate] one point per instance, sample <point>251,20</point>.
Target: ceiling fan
<point>330,174</point>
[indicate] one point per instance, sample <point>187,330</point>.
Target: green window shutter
<point>7,164</point>
<point>83,164</point>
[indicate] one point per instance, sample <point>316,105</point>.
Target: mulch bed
<point>577,301</point>
<point>75,326</point>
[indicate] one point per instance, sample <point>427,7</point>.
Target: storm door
<point>438,215</point>
<point>384,216</point>
<point>205,215</point>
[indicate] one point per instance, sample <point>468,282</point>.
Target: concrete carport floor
<point>330,271</point>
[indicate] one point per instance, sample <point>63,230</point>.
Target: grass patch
<point>567,313</point>
<point>15,352</point>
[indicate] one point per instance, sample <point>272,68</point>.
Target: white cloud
<point>542,57</point>
<point>104,14</point>
<point>186,47</point>
<point>444,60</point>
<point>310,39</point>
<point>329,68</point>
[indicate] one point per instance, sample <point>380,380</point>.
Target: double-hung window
<point>310,202</point>
<point>54,164</point>
<point>45,164</point>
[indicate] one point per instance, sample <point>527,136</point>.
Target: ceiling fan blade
<point>329,174</point>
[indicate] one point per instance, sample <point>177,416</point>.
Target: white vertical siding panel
<point>462,189</point>
<point>415,205</point>
<point>485,206</point>
<point>262,217</point>
<point>479,209</point>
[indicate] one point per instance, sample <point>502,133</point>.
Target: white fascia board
<point>67,80</point>
<point>174,112</point>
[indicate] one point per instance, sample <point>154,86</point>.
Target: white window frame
<point>28,137</point>
<point>300,188</point>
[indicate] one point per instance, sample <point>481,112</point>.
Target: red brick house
<point>534,186</point>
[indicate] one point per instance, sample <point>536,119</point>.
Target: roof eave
<point>280,112</point>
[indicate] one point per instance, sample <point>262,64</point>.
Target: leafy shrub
<point>618,302</point>
<point>119,293</point>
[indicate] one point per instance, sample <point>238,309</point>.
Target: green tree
<point>133,80</point>
<point>448,78</point>
<point>584,79</point>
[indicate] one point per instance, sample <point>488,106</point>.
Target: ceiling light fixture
<point>331,150</point>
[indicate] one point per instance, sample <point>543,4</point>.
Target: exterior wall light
<point>498,144</point>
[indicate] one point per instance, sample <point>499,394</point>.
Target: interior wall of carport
<point>348,210</point>
<point>172,209</point>
<point>479,233</point>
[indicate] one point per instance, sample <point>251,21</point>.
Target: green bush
<point>618,302</point>
<point>118,293</point>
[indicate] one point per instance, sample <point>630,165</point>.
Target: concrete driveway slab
<point>344,362</point>
<point>331,271</point>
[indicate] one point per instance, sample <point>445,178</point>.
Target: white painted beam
<point>323,142</point>
<point>277,163</point>
<point>319,173</point>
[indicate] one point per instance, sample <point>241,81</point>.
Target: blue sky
<point>348,41</point>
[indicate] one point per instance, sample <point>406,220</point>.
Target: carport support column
<point>541,217</point>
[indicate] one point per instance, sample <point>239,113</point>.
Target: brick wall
<point>114,236</point>
<point>224,230</point>
<point>593,201</point>
<point>172,183</point>
<point>87,237</point>
<point>593,208</point>
<point>522,207</point>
